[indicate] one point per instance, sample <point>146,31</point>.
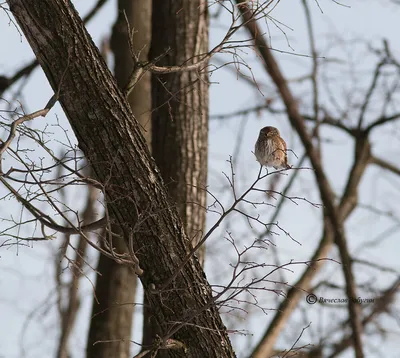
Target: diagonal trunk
<point>110,137</point>
<point>112,312</point>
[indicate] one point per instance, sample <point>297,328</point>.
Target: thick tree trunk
<point>180,118</point>
<point>180,103</point>
<point>110,137</point>
<point>112,313</point>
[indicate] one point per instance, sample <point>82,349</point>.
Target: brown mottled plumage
<point>270,149</point>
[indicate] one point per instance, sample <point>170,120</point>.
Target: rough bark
<point>110,137</point>
<point>180,118</point>
<point>112,312</point>
<point>180,102</point>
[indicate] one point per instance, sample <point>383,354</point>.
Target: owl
<point>270,149</point>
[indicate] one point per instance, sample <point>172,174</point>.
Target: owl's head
<point>269,131</point>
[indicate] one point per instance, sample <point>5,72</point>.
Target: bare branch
<point>326,192</point>
<point>6,82</point>
<point>385,165</point>
<point>382,304</point>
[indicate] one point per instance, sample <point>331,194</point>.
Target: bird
<point>270,149</point>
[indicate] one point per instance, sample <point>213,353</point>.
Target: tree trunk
<point>180,119</point>
<point>110,137</point>
<point>112,309</point>
<point>180,103</point>
<point>138,15</point>
<point>69,314</point>
<point>112,312</point>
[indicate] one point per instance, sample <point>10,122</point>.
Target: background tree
<point>180,130</point>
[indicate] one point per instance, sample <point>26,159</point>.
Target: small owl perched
<point>270,149</point>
